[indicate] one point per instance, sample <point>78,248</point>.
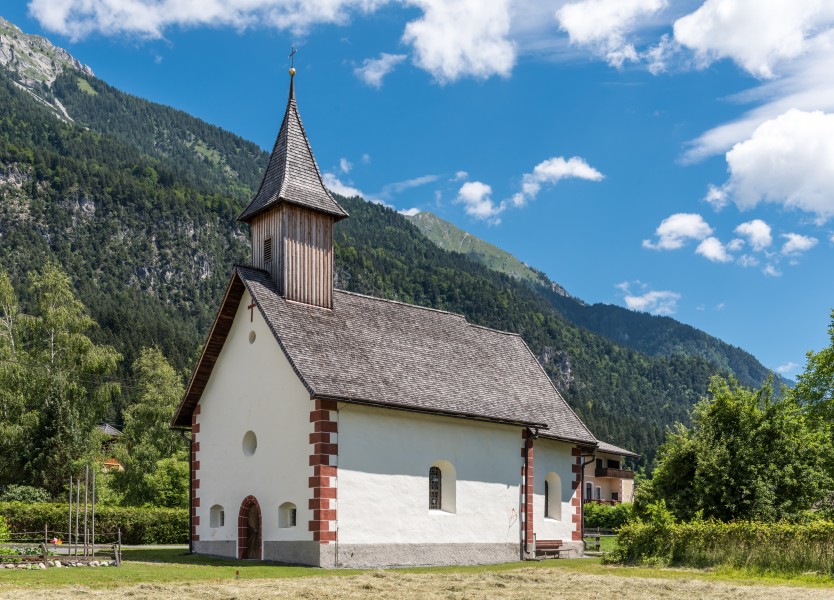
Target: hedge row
<point>607,516</point>
<point>777,547</point>
<point>139,525</point>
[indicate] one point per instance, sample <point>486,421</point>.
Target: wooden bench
<point>550,548</point>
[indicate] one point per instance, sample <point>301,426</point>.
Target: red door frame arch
<point>249,503</point>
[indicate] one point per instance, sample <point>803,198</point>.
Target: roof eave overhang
<point>583,444</point>
<point>428,411</point>
<point>248,218</point>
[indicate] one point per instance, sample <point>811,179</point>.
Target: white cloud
<point>460,176</point>
<point>756,35</point>
<point>457,38</point>
<point>603,25</point>
<point>803,83</point>
<point>712,249</point>
<point>551,171</point>
<point>374,70</point>
<point>757,233</point>
<point>398,187</point>
<point>674,231</point>
<point>787,161</point>
<point>788,367</point>
<point>748,260</point>
<point>366,159</point>
<point>345,165</point>
<point>716,196</point>
<point>796,244</point>
<point>81,18</point>
<point>451,39</point>
<point>831,239</point>
<point>410,212</point>
<point>476,198</point>
<point>735,245</point>
<point>771,271</point>
<point>334,184</point>
<point>654,302</point>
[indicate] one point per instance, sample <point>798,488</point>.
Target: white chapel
<point>335,429</point>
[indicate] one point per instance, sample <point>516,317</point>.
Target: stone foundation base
<point>295,553</point>
<point>362,556</point>
<point>358,556</point>
<point>226,549</point>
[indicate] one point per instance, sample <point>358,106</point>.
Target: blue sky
<point>670,156</point>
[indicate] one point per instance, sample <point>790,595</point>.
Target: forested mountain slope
<point>652,335</point>
<point>137,202</point>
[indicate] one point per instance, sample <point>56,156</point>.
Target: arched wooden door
<point>249,524</point>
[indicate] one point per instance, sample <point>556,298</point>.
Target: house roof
<point>612,449</point>
<point>108,429</point>
<point>384,353</point>
<point>292,175</point>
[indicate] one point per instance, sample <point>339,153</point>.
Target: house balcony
<point>601,501</point>
<point>616,473</point>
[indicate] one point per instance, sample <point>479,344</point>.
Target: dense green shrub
<point>607,516</point>
<point>138,525</point>
<point>4,530</point>
<point>774,547</point>
<point>24,493</point>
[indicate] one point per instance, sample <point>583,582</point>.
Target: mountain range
<point>138,203</point>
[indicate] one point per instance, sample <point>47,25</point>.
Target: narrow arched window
<point>217,517</point>
<point>553,497</point>
<point>435,491</point>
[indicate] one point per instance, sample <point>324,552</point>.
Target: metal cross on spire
<point>292,57</point>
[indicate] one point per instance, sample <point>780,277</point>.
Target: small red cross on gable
<point>251,308</point>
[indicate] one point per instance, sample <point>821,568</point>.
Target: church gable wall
<point>252,389</point>
<point>385,457</point>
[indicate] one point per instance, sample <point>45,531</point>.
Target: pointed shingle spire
<point>292,175</point>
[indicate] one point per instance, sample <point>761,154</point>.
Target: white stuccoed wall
<point>554,456</point>
<point>384,460</point>
<point>253,387</point>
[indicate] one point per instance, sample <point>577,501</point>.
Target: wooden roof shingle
<point>384,353</point>
<point>292,174</point>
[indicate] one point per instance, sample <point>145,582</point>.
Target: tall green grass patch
<point>781,547</point>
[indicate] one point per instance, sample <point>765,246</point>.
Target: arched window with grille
<point>442,487</point>
<point>435,488</point>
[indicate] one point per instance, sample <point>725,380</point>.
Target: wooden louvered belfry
<point>292,217</point>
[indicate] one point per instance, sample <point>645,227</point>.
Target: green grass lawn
<point>606,543</point>
<point>173,566</point>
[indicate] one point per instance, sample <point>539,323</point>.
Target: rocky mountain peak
<point>34,58</point>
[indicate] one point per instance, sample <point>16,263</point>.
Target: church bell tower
<point>292,217</point>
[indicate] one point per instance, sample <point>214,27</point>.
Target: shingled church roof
<point>383,353</point>
<point>292,175</point>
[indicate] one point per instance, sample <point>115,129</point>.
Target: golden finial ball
<point>292,71</point>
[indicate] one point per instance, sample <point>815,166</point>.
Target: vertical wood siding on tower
<point>307,256</point>
<point>302,252</point>
<point>265,226</point>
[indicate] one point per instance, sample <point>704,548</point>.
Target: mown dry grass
<point>523,582</point>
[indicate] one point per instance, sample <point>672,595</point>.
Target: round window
<point>251,337</point>
<point>250,443</point>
